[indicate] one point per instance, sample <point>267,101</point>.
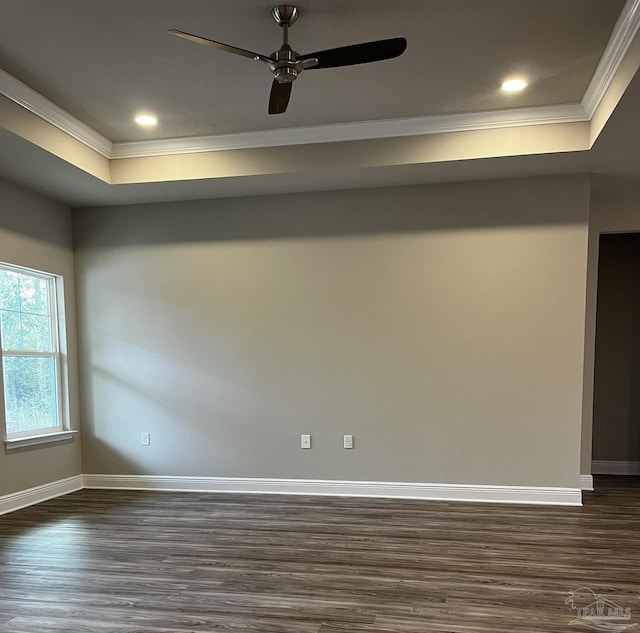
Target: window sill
<point>34,440</point>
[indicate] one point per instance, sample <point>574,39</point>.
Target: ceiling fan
<point>286,64</point>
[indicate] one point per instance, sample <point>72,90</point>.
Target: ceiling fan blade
<point>220,46</point>
<point>358,53</point>
<point>279,97</point>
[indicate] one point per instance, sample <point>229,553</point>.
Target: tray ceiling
<point>76,72</point>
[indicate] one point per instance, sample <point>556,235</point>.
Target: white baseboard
<point>586,482</point>
<point>248,485</point>
<point>394,490</point>
<point>602,467</point>
<point>31,496</point>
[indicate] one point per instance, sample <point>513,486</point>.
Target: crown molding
<point>33,101</point>
<point>623,34</point>
<point>359,131</point>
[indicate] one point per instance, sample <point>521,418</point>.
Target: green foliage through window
<point>30,359</point>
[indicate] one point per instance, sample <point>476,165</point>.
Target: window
<point>30,343</point>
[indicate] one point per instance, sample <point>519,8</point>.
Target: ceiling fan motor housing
<point>285,74</point>
<point>284,70</point>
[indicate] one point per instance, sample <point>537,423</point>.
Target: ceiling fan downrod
<point>284,71</point>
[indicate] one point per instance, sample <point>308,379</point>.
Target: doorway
<point>616,397</point>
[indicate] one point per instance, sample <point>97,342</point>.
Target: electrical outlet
<point>348,441</point>
<point>145,439</point>
<point>305,441</point>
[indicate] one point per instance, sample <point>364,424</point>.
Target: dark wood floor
<point>109,561</point>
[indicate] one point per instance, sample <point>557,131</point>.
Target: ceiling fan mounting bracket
<point>285,14</point>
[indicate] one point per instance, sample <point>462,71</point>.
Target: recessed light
<point>146,119</point>
<point>514,85</point>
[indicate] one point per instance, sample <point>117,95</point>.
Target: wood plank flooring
<point>127,562</point>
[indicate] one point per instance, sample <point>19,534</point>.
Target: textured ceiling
<point>104,60</point>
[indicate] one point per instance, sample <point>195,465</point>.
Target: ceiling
<point>75,72</point>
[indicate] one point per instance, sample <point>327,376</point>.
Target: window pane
<point>36,332</point>
<point>11,332</point>
<point>30,393</point>
<point>9,292</point>
<point>25,305</point>
<point>34,295</point>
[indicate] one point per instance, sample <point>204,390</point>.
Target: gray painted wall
<point>36,233</point>
<point>443,326</point>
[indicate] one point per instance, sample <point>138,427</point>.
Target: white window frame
<point>58,342</point>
